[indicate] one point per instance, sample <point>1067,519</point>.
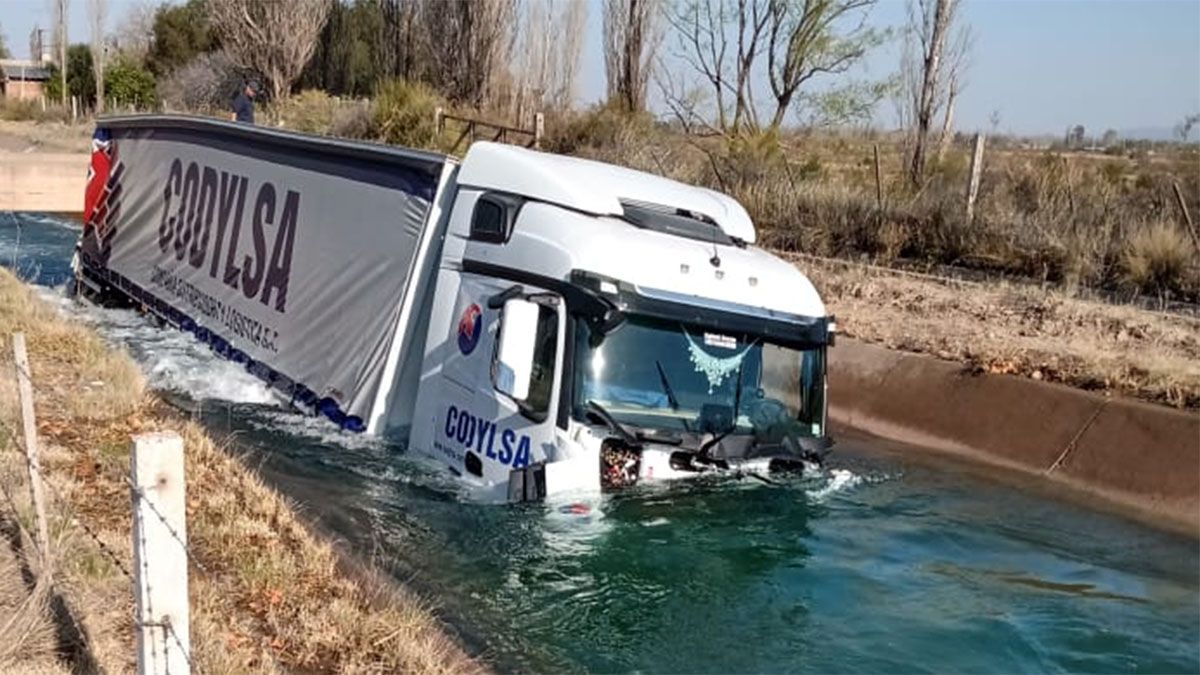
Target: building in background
<point>22,79</point>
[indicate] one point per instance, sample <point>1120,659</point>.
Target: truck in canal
<point>539,325</point>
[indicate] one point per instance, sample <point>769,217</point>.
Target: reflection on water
<point>880,565</point>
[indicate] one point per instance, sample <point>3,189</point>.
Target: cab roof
<point>594,187</point>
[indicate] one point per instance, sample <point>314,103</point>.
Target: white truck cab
<point>539,325</point>
<point>594,326</point>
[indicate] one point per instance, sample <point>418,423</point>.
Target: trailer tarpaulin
<point>290,252</point>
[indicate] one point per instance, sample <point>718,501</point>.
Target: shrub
<point>601,126</point>
<point>404,113</point>
<point>15,110</point>
<point>1157,258</point>
<point>352,120</point>
<point>206,84</point>
<point>128,83</point>
<point>310,111</point>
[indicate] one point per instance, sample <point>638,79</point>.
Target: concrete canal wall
<point>1138,455</point>
<point>42,182</point>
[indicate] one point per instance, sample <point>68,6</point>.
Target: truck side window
<point>542,382</point>
<point>493,217</point>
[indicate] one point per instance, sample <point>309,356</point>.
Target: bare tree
<point>933,77</point>
<point>60,9</point>
<point>731,44</point>
<point>97,16</point>
<point>273,39</point>
<point>811,38</point>
<point>633,32</point>
<point>467,44</point>
<point>398,43</point>
<point>1184,129</point>
<point>720,40</point>
<point>546,57</point>
<point>136,30</point>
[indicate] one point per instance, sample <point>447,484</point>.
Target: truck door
<point>499,383</point>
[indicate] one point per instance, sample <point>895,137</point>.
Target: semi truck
<point>538,325</point>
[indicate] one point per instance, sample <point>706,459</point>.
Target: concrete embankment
<point>1142,457</point>
<point>42,182</point>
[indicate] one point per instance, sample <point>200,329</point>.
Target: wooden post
<point>43,100</point>
<point>878,182</point>
<point>36,489</point>
<point>976,171</point>
<point>160,554</point>
<point>539,128</point>
<point>1187,217</point>
<point>74,109</point>
<point>438,120</point>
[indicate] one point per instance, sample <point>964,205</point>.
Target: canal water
<point>885,563</point>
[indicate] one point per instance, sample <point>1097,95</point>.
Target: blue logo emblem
<point>469,328</point>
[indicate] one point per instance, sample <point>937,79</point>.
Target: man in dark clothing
<point>243,104</point>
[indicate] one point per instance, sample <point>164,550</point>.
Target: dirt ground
<point>1016,329</point>
<point>28,136</point>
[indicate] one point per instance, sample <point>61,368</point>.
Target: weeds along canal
<point>880,564</point>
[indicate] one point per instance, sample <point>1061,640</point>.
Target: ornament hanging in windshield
<point>715,368</point>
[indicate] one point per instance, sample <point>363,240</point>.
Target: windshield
<point>672,376</point>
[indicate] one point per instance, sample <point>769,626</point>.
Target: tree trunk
<point>948,120</point>
<point>929,83</point>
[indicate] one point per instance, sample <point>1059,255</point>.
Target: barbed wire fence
<point>159,575</point>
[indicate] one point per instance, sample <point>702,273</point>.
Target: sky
<point>1044,65</point>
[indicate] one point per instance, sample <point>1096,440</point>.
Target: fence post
<point>43,100</point>
<point>878,182</point>
<point>36,489</point>
<point>539,127</point>
<point>74,109</point>
<point>160,554</point>
<point>1187,216</point>
<point>976,171</point>
<point>438,120</point>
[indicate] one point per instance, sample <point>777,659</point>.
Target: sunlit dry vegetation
<point>267,594</point>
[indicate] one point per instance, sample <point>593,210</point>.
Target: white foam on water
<point>171,359</point>
<point>316,429</point>
<point>839,480</point>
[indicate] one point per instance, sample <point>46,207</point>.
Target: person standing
<point>243,103</point>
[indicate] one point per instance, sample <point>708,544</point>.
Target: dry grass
<point>1065,218</point>
<point>1157,256</point>
<point>273,597</point>
<point>48,136</point>
<point>1019,330</point>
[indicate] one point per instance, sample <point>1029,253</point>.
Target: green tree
<point>347,58</point>
<point>181,32</point>
<point>53,87</point>
<point>81,81</point>
<point>4,47</point>
<point>127,82</point>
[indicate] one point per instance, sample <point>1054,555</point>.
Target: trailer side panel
<point>291,253</point>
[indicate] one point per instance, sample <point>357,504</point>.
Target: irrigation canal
<point>884,564</point>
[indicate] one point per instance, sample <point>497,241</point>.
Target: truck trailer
<point>539,325</point>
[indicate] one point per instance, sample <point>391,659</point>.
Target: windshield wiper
<point>598,410</point>
<point>666,385</point>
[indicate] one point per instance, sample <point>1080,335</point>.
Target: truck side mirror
<point>513,368</point>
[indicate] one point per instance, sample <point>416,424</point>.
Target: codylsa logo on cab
<point>469,328</point>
